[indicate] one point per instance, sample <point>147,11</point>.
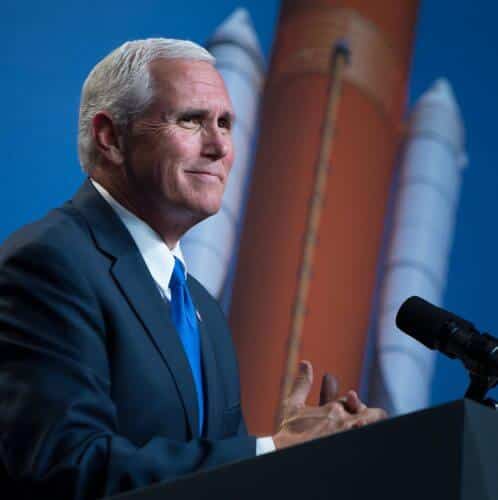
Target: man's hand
<point>302,423</point>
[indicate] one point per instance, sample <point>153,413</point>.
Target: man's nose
<point>217,143</point>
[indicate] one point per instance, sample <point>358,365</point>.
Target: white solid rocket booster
<point>421,238</point>
<point>210,246</point>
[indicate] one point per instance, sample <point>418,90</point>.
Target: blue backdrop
<point>50,47</point>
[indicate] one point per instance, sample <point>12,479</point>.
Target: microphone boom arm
<point>478,388</point>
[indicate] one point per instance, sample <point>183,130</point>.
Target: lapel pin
<point>199,317</point>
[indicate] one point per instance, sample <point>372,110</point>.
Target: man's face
<point>178,155</point>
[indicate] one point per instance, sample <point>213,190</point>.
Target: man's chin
<point>209,211</point>
<point>205,209</point>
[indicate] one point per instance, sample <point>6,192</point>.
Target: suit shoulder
<point>59,230</point>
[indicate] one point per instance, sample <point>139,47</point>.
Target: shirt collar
<point>159,259</point>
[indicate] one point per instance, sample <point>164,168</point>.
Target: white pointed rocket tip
<point>442,93</point>
<point>437,110</point>
<point>238,28</point>
<point>239,15</point>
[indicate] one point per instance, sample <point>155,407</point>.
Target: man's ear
<point>106,137</point>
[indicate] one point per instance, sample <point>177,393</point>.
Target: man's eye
<point>191,121</point>
<point>225,123</point>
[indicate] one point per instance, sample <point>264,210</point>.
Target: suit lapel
<point>211,380</point>
<point>139,288</point>
<point>137,285</point>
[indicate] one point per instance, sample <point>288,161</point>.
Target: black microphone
<point>457,338</point>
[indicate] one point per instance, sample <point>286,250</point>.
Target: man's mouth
<point>204,175</point>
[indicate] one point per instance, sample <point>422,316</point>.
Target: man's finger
<point>353,403</point>
<point>302,384</point>
<point>329,389</point>
<point>370,416</point>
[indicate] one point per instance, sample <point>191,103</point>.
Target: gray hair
<point>121,85</point>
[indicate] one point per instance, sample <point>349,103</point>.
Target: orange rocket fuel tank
<point>363,153</point>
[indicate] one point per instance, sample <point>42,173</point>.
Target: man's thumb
<point>302,384</point>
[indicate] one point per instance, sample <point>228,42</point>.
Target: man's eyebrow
<point>193,112</point>
<point>229,115</point>
<point>202,113</point>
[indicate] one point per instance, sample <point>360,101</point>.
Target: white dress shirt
<point>160,261</point>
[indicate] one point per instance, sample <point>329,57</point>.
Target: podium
<point>445,453</point>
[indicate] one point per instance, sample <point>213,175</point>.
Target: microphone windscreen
<point>424,321</point>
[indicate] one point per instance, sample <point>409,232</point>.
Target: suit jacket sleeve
<point>59,436</point>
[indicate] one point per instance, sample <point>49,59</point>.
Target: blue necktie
<point>185,320</point>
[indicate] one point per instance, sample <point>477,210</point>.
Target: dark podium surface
<point>447,453</point>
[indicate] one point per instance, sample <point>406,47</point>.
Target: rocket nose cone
<point>441,93</point>
<point>441,89</point>
<point>239,20</point>
<point>238,29</point>
<point>240,15</point>
<point>436,113</point>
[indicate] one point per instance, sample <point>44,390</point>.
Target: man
<point>116,368</point>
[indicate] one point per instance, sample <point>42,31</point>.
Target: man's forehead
<point>188,80</point>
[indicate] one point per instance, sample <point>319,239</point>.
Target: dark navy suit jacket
<point>96,394</point>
